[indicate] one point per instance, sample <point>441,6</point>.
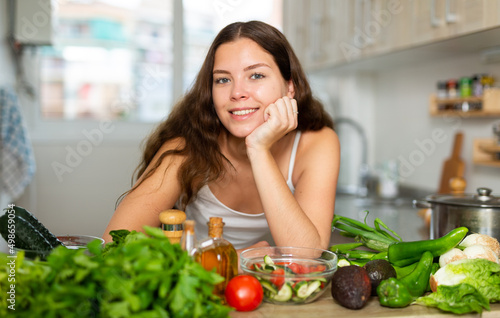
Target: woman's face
<point>246,81</point>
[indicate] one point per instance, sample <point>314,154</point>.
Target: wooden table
<point>327,307</point>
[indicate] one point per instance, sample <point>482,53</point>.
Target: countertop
<point>399,215</point>
<point>326,306</point>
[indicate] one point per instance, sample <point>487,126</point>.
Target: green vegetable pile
<point>415,262</point>
<point>478,285</point>
<point>137,275</point>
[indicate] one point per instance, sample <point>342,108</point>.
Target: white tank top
<point>241,229</point>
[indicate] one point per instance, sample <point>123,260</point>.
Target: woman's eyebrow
<point>251,67</point>
<point>220,72</point>
<point>248,68</point>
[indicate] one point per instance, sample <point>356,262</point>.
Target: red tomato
<point>282,263</point>
<point>244,293</point>
<point>279,278</point>
<point>320,268</point>
<point>296,268</point>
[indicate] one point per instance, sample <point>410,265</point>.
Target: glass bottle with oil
<point>216,252</point>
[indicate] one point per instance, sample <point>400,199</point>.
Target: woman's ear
<point>291,89</point>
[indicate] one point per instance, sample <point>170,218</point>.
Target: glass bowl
<point>77,241</point>
<point>290,275</point>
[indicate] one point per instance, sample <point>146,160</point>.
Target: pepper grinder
<point>172,224</point>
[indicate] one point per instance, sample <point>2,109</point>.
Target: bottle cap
<point>215,226</point>
<point>172,221</point>
<point>189,226</point>
<point>172,216</point>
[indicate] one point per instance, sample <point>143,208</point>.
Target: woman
<point>249,143</point>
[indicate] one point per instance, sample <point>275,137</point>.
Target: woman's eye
<point>257,76</point>
<point>221,80</point>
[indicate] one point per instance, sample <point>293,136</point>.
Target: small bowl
<point>290,275</point>
<point>77,241</point>
<point>69,241</point>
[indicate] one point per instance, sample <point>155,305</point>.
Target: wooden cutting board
<point>453,167</point>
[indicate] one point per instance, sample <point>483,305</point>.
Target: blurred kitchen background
<point>92,78</point>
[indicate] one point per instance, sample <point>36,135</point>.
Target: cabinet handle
<point>435,22</point>
<point>450,16</point>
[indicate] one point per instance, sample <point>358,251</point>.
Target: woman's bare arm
<point>155,194</point>
<point>303,219</point>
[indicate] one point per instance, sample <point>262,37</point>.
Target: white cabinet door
<point>388,25</point>
<point>331,32</point>
<point>472,15</point>
<point>428,21</point>
<point>435,20</point>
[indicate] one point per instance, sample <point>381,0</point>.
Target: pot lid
<point>483,199</point>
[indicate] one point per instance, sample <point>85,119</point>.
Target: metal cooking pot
<point>480,212</point>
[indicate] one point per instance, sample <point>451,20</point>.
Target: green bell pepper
<point>406,253</point>
<point>401,292</point>
<point>418,280</point>
<point>392,293</point>
<point>405,270</point>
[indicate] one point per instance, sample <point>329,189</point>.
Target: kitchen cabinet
<point>328,34</point>
<point>389,22</point>
<point>435,20</point>
<point>318,30</point>
<point>473,15</point>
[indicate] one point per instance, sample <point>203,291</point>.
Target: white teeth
<point>244,112</point>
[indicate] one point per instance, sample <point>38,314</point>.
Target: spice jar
<point>487,81</point>
<point>477,87</point>
<point>441,90</point>
<point>465,87</point>
<point>451,87</point>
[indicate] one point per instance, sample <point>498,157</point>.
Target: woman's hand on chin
<point>280,118</point>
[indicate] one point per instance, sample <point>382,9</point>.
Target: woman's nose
<point>239,90</point>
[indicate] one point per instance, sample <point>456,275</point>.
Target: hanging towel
<point>17,161</point>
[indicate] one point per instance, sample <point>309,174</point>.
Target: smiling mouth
<point>244,112</point>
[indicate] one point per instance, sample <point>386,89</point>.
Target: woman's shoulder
<point>169,146</point>
<point>177,143</point>
<point>318,153</point>
<point>318,146</point>
<point>325,137</point>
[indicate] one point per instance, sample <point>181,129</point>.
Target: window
<point>203,19</point>
<point>116,60</point>
<point>110,59</point>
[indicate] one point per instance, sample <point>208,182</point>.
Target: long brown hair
<point>195,121</point>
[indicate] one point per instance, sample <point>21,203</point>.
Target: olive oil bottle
<point>217,253</point>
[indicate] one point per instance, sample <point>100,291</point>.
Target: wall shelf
<point>486,152</point>
<point>487,105</point>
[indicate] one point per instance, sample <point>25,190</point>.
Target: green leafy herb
<point>137,275</point>
<point>465,286</point>
<point>458,299</point>
<point>480,273</point>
